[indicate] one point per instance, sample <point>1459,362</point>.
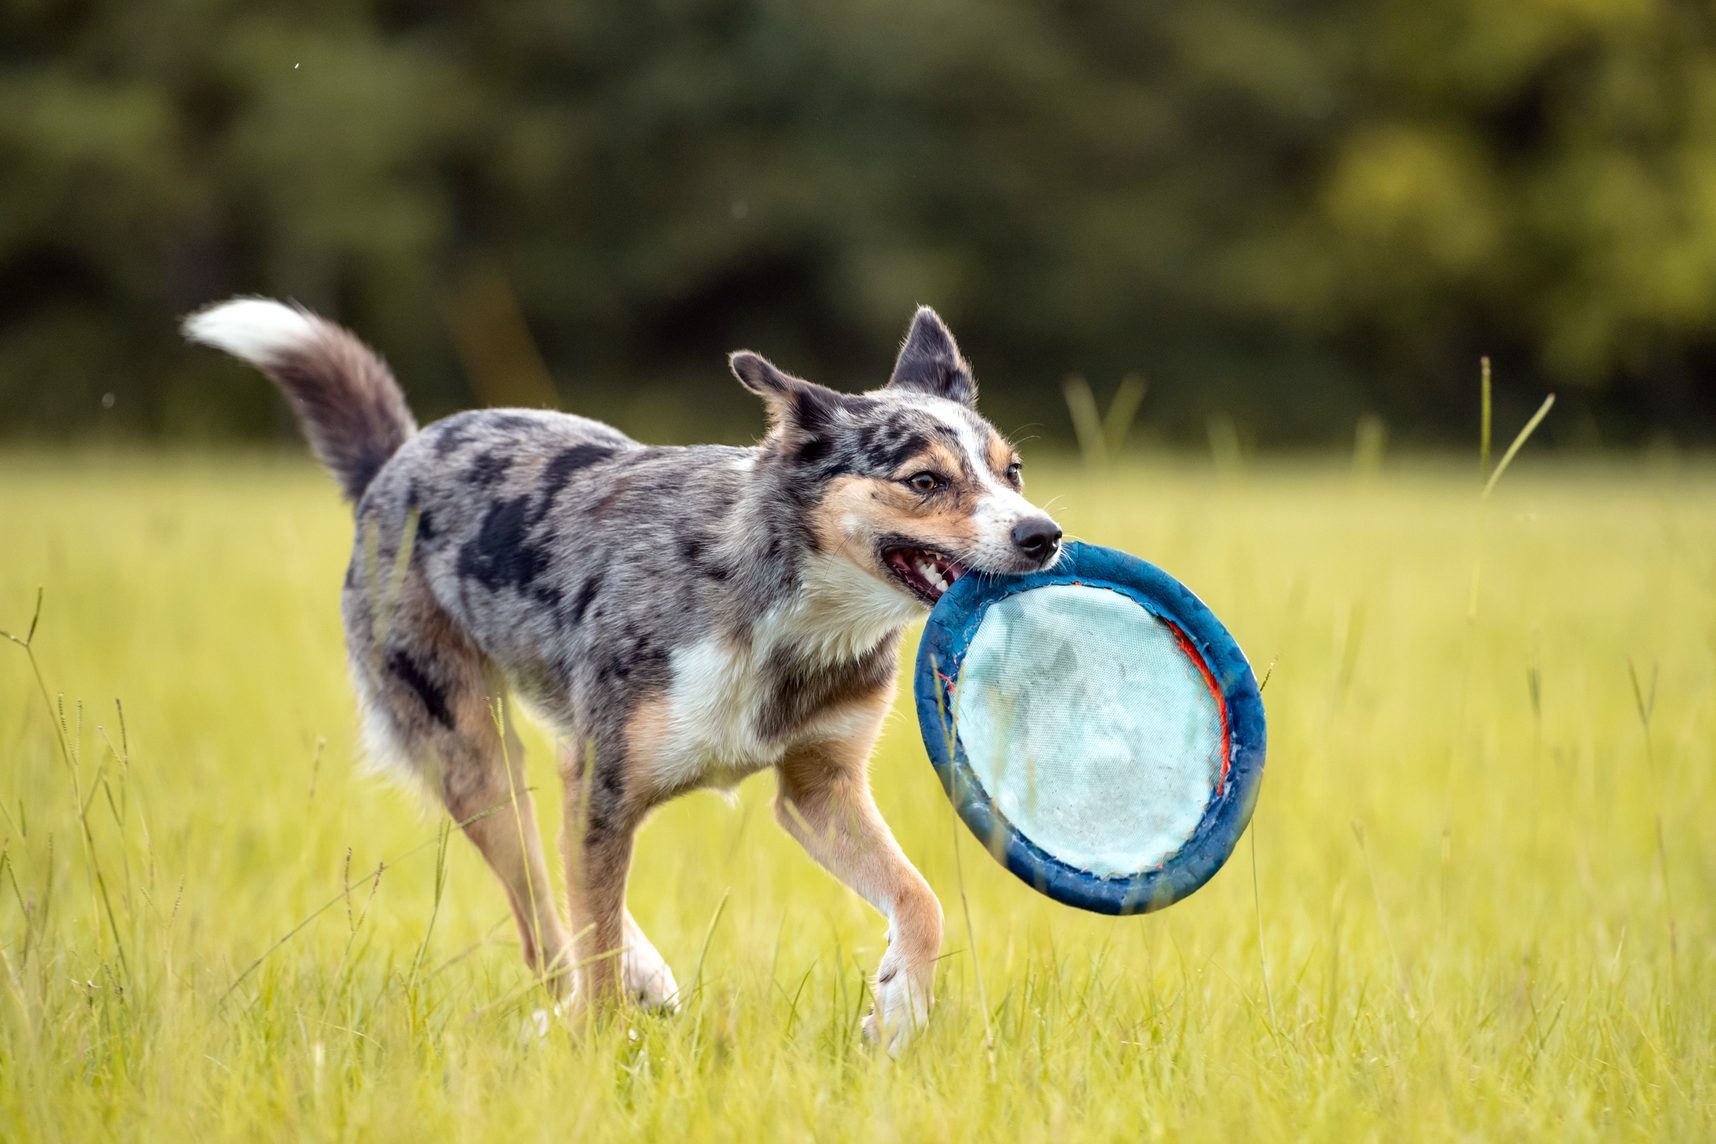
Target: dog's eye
<point>1013,476</point>
<point>925,482</point>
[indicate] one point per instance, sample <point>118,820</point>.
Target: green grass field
<point>1474,902</point>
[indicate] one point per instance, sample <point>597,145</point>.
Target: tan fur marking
<point>861,710</point>
<point>856,511</point>
<point>824,802</point>
<point>647,730</point>
<point>939,459</point>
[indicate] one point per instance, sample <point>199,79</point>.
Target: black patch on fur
<point>610,779</point>
<point>891,456</point>
<point>425,526</point>
<point>452,433</point>
<point>610,787</point>
<point>549,597</point>
<point>877,448</point>
<point>568,461</point>
<point>586,595</point>
<point>814,409</point>
<point>499,555</point>
<point>635,660</point>
<point>490,468</point>
<point>433,695</point>
<point>695,552</point>
<point>607,793</point>
<point>813,450</point>
<point>873,436</point>
<point>560,468</point>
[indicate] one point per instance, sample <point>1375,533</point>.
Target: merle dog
<point>680,617</point>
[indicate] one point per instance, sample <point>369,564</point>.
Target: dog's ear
<point>794,403</point>
<point>929,361</point>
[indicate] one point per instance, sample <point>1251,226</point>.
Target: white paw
<point>648,979</point>
<point>568,1015</point>
<point>539,1023</point>
<point>903,998</point>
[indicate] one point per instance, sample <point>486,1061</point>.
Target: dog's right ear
<point>930,361</point>
<point>794,403</point>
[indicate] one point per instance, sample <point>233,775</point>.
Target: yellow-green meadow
<point>1475,900</point>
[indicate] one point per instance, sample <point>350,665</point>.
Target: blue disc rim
<point>941,653</point>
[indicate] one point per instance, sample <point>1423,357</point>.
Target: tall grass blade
<point>1087,421</point>
<point>1225,449</point>
<point>1484,419</point>
<point>1645,701</point>
<point>1518,443</point>
<point>1122,412</point>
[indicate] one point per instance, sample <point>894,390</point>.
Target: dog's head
<point>907,482</point>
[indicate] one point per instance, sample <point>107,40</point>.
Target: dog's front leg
<point>596,842</point>
<point>824,802</point>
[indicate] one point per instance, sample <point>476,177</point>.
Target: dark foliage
<point>1291,214</point>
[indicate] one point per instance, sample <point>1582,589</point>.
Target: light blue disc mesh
<point>1091,729</point>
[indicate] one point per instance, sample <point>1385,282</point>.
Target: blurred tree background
<point>1286,214</point>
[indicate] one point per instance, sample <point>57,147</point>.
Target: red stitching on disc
<point>1192,653</point>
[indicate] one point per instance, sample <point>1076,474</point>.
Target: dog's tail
<point>343,394</point>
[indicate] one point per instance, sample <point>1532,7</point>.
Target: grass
<point>1452,917</point>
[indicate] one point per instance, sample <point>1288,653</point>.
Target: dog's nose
<point>1037,537</point>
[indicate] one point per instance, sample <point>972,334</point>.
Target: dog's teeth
<point>933,569</point>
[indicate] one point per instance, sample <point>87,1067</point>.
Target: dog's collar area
<point>925,572</point>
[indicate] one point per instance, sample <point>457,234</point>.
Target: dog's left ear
<point>794,403</point>
<point>930,362</point>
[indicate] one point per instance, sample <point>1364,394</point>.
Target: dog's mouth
<point>925,572</point>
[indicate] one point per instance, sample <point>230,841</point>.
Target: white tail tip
<point>259,330</point>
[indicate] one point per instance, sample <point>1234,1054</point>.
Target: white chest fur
<point>715,709</point>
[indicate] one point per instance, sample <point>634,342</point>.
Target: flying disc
<point>1095,726</point>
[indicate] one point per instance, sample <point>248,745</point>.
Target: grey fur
<point>591,558</point>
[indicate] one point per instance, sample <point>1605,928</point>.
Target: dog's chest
<point>735,708</point>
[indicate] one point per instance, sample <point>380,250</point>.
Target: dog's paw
<point>648,980</point>
<point>540,1023</point>
<point>903,998</point>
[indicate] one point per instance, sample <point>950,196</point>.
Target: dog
<point>681,617</point>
